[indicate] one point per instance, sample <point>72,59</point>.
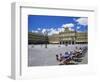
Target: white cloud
<point>82,21</point>
<point>68,25</point>
<point>43,30</point>
<point>50,31</point>
<point>39,29</point>
<point>53,31</point>
<point>71,29</point>
<point>60,29</point>
<point>34,31</point>
<point>78,27</point>
<point>79,31</point>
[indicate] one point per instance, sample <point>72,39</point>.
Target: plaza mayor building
<point>69,37</point>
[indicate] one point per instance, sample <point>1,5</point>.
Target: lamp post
<point>75,34</point>
<point>46,38</point>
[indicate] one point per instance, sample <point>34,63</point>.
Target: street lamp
<point>75,34</point>
<point>46,38</point>
<point>76,29</point>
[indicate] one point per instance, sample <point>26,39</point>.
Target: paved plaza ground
<point>38,55</point>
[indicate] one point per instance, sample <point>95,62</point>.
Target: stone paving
<point>38,55</point>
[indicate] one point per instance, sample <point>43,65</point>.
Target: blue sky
<point>56,24</point>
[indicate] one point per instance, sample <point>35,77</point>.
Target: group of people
<point>68,57</point>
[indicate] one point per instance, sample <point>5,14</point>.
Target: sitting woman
<point>64,59</point>
<point>77,51</point>
<point>71,54</point>
<point>80,50</point>
<point>66,55</point>
<point>59,57</point>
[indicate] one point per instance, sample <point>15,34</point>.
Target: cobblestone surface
<point>38,55</point>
